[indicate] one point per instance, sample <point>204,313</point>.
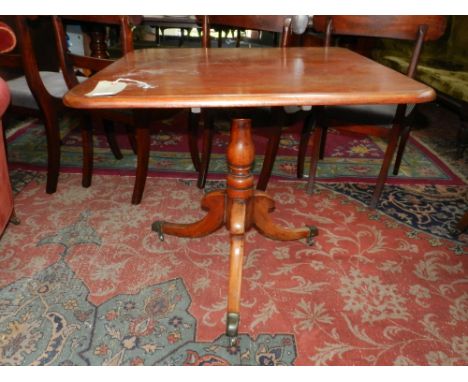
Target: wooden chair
<point>274,118</point>
<point>39,93</point>
<point>98,60</point>
<point>133,119</point>
<point>388,121</point>
<point>34,92</point>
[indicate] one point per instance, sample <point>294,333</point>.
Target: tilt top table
<point>256,77</point>
<point>196,77</point>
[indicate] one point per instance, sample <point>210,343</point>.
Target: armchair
<point>8,42</point>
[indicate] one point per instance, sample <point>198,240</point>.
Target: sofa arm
<point>6,195</point>
<point>7,38</point>
<point>4,97</point>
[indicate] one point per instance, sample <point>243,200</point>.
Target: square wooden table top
<point>217,77</point>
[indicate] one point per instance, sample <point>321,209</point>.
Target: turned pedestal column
<point>239,208</point>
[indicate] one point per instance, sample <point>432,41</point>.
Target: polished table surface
<point>188,78</point>
<point>192,77</point>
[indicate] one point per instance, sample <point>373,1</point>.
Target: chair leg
<point>401,149</point>
<point>208,130</point>
<point>323,141</point>
<point>87,144</point>
<point>131,137</point>
<point>220,38</point>
<point>193,122</point>
<point>462,137</point>
<point>303,142</point>
<point>391,147</point>
<point>143,149</point>
<point>462,224</point>
<point>270,156</point>
<point>53,150</point>
<point>316,139</point>
<point>110,135</point>
<point>182,35</point>
<point>395,134</point>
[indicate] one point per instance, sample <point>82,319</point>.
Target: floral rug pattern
<point>84,280</point>
<point>47,320</point>
<point>433,209</point>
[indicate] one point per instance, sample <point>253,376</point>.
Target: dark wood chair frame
<point>135,120</point>
<point>417,28</point>
<point>50,107</point>
<point>277,117</point>
<point>101,119</point>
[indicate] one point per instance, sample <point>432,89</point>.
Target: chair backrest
<point>23,57</point>
<point>398,27</point>
<point>414,28</point>
<point>69,60</point>
<point>286,25</point>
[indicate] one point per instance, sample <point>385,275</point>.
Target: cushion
<point>457,44</point>
<point>451,82</point>
<point>443,63</point>
<point>21,94</point>
<point>365,114</point>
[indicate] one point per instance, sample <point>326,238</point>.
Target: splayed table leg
<point>240,208</point>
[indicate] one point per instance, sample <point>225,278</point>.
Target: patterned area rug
<point>349,157</point>
<point>438,129</point>
<point>83,280</point>
<point>429,208</point>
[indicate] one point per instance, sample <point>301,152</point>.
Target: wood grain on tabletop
<point>194,77</point>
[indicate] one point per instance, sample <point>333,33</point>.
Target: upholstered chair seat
<point>21,95</point>
<point>365,114</point>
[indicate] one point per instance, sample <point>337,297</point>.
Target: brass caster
<point>233,341</point>
<point>14,220</point>
<point>313,231</point>
<point>232,324</point>
<point>157,227</point>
